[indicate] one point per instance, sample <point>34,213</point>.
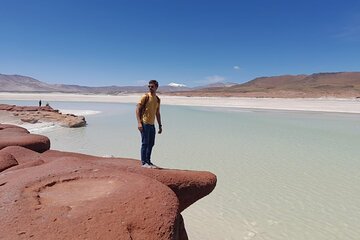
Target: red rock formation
<point>7,161</point>
<point>17,136</point>
<point>64,195</point>
<point>33,114</point>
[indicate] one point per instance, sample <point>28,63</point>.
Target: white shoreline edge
<point>337,105</point>
<point>79,112</point>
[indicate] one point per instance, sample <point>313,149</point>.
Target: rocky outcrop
<point>18,136</point>
<point>31,114</point>
<point>64,195</point>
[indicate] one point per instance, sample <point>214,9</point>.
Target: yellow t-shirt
<point>151,108</point>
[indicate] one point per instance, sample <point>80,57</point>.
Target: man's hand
<point>160,130</point>
<point>140,127</point>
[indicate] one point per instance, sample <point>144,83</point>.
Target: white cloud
<point>351,33</point>
<point>350,30</point>
<point>176,85</point>
<point>141,82</point>
<point>214,79</point>
<point>236,67</point>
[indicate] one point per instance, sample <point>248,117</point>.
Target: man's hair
<point>154,82</point>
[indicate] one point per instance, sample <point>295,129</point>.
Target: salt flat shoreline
<point>335,105</point>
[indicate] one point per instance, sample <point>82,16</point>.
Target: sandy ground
<point>298,104</point>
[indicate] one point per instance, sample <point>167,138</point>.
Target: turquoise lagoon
<point>281,174</point>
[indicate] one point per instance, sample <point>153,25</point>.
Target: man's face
<point>152,87</point>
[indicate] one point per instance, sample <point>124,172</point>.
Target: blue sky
<point>193,42</point>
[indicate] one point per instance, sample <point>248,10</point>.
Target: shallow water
<point>281,175</point>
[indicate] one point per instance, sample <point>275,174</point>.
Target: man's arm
<point>138,117</point>
<point>158,118</point>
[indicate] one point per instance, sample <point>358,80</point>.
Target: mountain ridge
<point>327,84</point>
<point>337,84</point>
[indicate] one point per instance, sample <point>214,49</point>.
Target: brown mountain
<point>340,84</point>
<point>18,83</point>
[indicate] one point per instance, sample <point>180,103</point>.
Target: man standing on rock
<point>147,109</point>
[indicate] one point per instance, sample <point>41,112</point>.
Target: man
<point>146,111</point>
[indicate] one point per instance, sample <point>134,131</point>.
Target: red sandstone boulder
<point>189,186</point>
<point>71,200</point>
<point>29,120</point>
<point>9,128</point>
<point>17,136</point>
<point>64,195</point>
<point>32,114</point>
<point>6,161</point>
<point>72,121</point>
<point>8,107</point>
<point>25,157</point>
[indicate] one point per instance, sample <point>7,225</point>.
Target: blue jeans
<point>147,142</point>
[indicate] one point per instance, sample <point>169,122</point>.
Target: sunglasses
<point>151,86</point>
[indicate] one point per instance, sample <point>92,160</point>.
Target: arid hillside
<point>342,84</point>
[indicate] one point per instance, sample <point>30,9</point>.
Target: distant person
<point>147,109</point>
<point>40,103</point>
